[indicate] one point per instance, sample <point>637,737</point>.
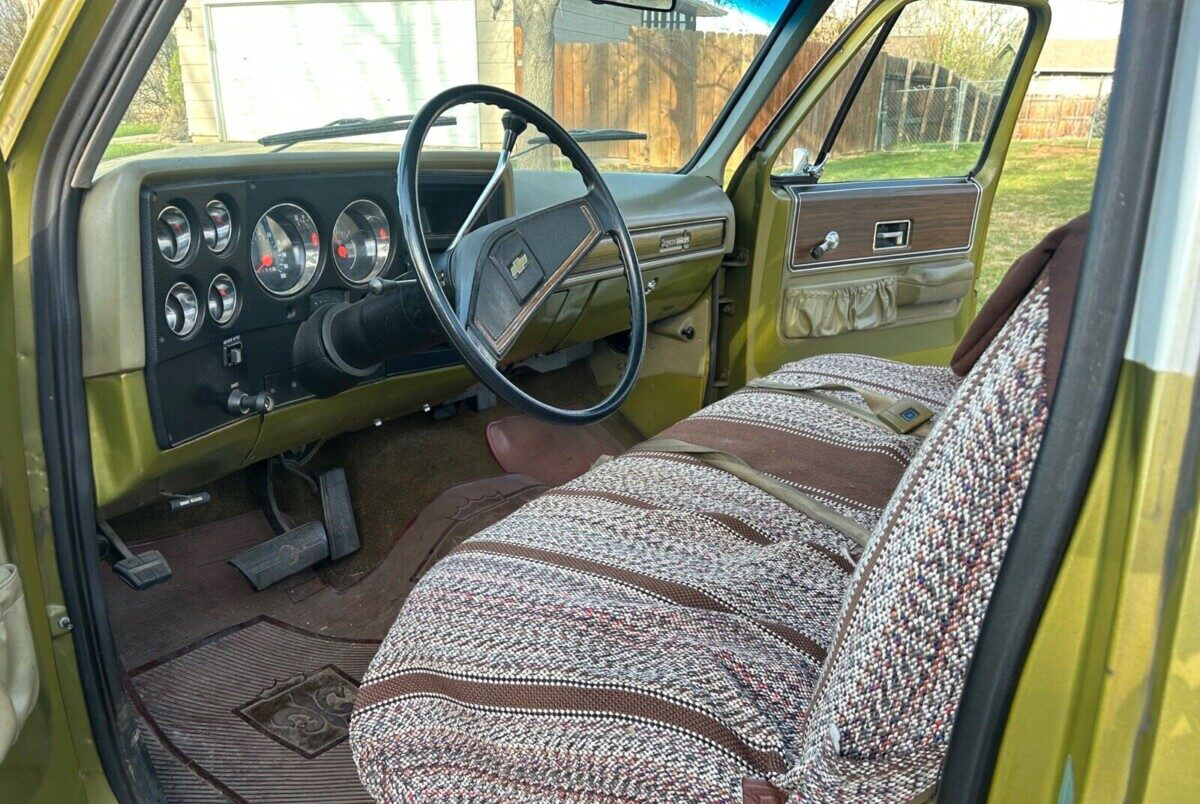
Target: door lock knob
<point>827,245</point>
<point>240,403</point>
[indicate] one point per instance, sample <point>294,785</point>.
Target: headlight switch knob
<point>241,403</point>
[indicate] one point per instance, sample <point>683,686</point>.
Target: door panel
<point>916,235</point>
<point>880,222</point>
<point>892,146</point>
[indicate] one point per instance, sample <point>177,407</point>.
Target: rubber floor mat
<point>259,712</point>
<point>243,694</point>
<point>552,453</point>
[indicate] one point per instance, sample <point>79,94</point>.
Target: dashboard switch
<point>241,403</point>
<point>232,354</point>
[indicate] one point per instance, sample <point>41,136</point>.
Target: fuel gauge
<point>223,299</point>
<point>362,241</point>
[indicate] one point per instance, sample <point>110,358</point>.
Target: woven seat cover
<point>652,629</point>
<point>659,630</point>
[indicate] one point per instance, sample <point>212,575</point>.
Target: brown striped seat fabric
<point>662,629</point>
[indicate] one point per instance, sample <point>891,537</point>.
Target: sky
<point>1070,19</point>
<point>1084,19</point>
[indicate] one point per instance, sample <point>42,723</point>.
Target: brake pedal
<point>139,570</point>
<point>286,554</point>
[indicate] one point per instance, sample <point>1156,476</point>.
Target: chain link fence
<point>948,115</point>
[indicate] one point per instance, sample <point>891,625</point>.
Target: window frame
<point>777,121</point>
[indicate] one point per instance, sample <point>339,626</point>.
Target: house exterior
<point>401,41</point>
<point>222,41</point>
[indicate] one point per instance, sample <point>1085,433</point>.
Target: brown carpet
<point>393,470</point>
<point>212,663</point>
<point>222,675</point>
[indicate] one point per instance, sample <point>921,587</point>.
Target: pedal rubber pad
<point>286,554</point>
<point>143,570</point>
<point>339,515</point>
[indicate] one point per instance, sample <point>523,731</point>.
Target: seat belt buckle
<point>905,415</point>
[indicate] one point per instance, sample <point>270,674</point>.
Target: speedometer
<point>285,250</point>
<point>362,241</point>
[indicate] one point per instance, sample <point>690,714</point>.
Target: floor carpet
<point>244,694</point>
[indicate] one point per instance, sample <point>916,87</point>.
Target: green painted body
<point>1110,697</point>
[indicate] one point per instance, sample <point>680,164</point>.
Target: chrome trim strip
<point>671,258</point>
<point>808,268</point>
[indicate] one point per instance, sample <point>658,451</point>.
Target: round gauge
<point>222,299</point>
<point>174,234</point>
<point>362,241</point>
<point>285,250</point>
<point>217,226</point>
<point>182,309</point>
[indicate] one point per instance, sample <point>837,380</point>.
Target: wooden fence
<point>1057,117</point>
<point>673,84</point>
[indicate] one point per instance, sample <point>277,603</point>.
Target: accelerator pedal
<point>288,553</point>
<point>339,514</point>
<point>140,570</point>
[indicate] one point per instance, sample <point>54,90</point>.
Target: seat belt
<point>781,491</point>
<point>904,416</point>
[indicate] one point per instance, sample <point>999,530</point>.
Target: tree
<point>14,20</point>
<point>537,55</point>
<point>159,99</point>
<point>537,32</point>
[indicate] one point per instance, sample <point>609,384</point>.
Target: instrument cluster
<point>232,268</point>
<point>285,256</point>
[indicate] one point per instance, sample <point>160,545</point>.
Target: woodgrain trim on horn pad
<point>515,327</point>
<point>942,215</point>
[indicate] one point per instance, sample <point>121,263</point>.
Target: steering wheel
<point>500,273</point>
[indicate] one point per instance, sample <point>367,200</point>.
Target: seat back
<point>880,722</point>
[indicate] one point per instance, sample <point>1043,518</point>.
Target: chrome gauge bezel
<point>218,241</point>
<point>369,210</point>
<point>312,253</point>
<point>237,300</point>
<point>185,234</point>
<point>189,329</point>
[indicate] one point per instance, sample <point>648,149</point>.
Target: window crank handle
<point>825,246</point>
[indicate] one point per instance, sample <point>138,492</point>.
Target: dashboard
<point>196,273</point>
<point>233,267</point>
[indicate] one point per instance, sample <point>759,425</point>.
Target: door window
<point>917,102</point>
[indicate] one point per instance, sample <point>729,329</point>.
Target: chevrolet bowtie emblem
<point>518,265</point>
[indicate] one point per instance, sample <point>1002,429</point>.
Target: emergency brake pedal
<point>140,570</point>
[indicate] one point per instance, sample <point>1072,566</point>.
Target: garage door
<point>288,65</point>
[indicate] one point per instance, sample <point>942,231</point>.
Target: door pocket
<point>818,312</point>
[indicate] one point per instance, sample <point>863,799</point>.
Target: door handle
<point>827,245</point>
<point>892,234</point>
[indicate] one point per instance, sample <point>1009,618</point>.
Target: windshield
<point>649,84</point>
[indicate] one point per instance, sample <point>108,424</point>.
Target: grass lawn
<point>135,129</point>
<point>1044,184</point>
<point>116,150</point>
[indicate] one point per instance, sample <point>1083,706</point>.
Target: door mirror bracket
<point>802,166</point>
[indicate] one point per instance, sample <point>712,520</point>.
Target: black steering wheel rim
<point>476,358</point>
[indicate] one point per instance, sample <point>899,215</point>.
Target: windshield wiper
<point>349,127</point>
<point>587,135</point>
